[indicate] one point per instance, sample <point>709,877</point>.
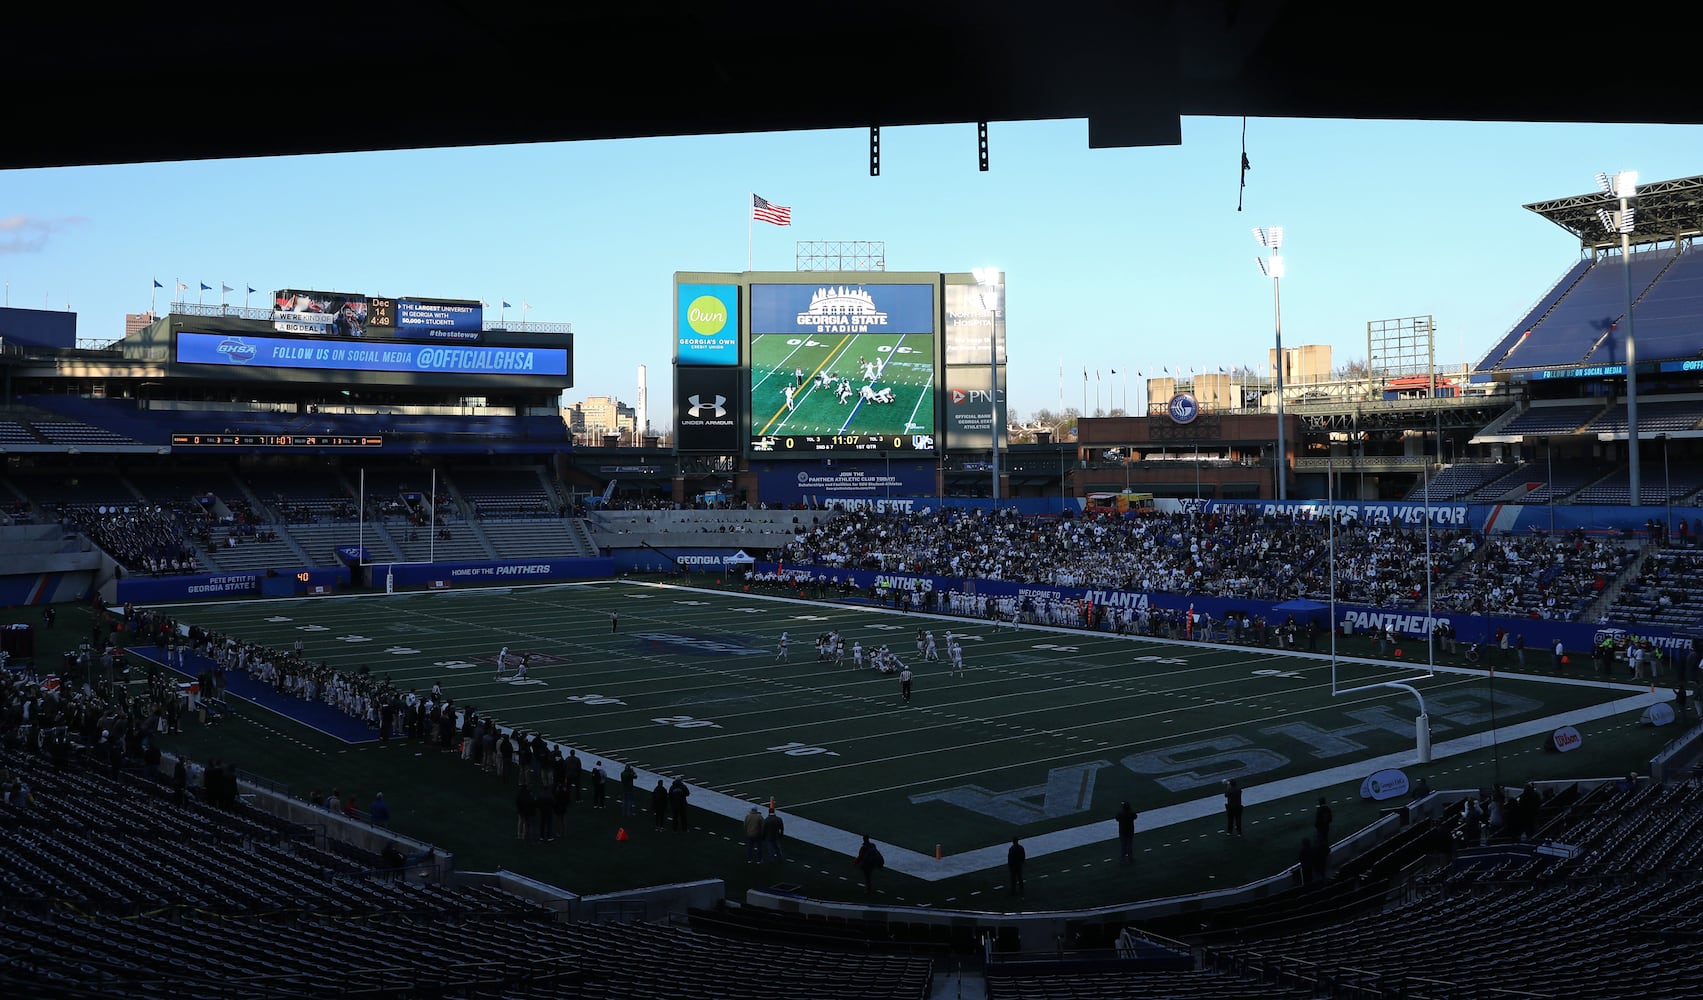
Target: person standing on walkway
<point>1014,859</point>
<point>628,776</point>
<point>773,830</point>
<point>1321,822</point>
<point>677,795</point>
<point>598,785</point>
<point>867,861</point>
<point>614,621</point>
<point>1232,807</point>
<point>753,836</point>
<point>1126,834</point>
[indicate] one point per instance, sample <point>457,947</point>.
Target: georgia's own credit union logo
<point>1183,409</point>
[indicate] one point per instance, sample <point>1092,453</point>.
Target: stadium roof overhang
<point>1666,210</point>
<point>134,83</point>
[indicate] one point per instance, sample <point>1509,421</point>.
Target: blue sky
<point>1129,258</point>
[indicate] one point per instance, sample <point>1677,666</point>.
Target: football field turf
<point>903,363</point>
<point>1046,734</point>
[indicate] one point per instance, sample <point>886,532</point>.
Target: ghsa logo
<point>237,351</point>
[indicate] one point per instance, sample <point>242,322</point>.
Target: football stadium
<point>333,663</point>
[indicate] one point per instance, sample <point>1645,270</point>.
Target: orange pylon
<point>621,835</point>
<point>937,852</point>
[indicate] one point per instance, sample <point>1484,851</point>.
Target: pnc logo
<point>959,395</point>
<point>698,406</point>
<point>707,315</point>
<point>236,350</point>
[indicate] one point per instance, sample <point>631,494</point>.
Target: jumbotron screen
<point>842,367</point>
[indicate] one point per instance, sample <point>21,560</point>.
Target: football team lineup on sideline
<point>1036,730</point>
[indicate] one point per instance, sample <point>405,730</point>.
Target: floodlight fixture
<point>1624,186</point>
<point>1270,237</point>
<point>988,280</point>
<point>1271,267</point>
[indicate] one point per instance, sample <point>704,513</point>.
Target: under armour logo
<point>698,406</point>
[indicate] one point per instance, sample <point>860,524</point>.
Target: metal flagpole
<point>750,214</point>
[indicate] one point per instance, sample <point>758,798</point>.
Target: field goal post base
<point>1421,722</point>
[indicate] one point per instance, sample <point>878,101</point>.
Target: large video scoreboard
<point>809,363</point>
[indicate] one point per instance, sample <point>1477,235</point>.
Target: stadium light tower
<point>988,280</point>
<point>1272,267</point>
<point>1624,186</point>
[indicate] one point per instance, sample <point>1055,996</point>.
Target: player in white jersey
<point>780,653</point>
<point>956,651</point>
<point>870,373</point>
<point>931,654</point>
<point>789,390</point>
<point>857,654</point>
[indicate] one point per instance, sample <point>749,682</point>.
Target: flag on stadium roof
<point>206,287</point>
<point>225,288</point>
<point>507,306</point>
<point>157,283</point>
<point>182,287</point>
<point>764,210</point>
<point>251,289</point>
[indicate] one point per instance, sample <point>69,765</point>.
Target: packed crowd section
<point>1238,553</point>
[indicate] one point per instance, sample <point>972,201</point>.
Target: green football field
<point>903,363</point>
<point>1048,731</point>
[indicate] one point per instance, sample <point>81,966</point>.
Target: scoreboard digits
<point>277,441</point>
<point>844,442</point>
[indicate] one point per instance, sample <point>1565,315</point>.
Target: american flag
<point>766,211</point>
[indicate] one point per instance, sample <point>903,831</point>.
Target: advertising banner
<point>802,482</point>
<point>144,590</point>
<point>706,324</point>
<point>970,311</point>
<point>1539,635</point>
<point>326,314</point>
<point>968,408</point>
<point>487,573</point>
<point>427,319</point>
<point>276,352</point>
<point>650,559</point>
<point>706,409</point>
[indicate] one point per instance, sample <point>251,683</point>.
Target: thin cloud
<point>28,234</point>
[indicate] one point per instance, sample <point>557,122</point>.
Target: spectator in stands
<point>392,858</point>
<point>379,810</point>
<point>1125,817</point>
<point>1015,858</point>
<point>1322,817</point>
